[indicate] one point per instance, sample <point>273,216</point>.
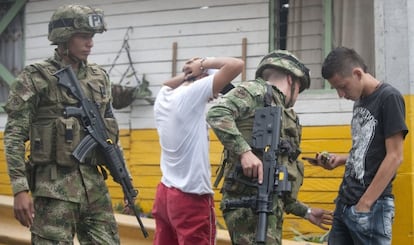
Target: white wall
<point>157,24</point>
<point>394,42</point>
<point>216,31</point>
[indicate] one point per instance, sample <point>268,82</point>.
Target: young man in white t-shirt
<point>184,205</point>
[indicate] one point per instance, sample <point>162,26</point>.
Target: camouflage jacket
<point>231,118</point>
<point>35,114</point>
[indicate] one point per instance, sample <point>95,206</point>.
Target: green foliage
<point>221,226</point>
<point>316,238</point>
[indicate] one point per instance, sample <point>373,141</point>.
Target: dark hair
<point>341,61</point>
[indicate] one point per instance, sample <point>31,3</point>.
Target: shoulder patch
<point>42,67</point>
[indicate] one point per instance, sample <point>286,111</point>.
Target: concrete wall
<point>394,59</point>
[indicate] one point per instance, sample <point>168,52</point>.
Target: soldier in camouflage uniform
<point>68,197</point>
<point>232,121</point>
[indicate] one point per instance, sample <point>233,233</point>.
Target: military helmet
<point>70,19</point>
<point>288,62</point>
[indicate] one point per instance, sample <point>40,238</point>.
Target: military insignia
<point>240,93</point>
<point>95,21</point>
<point>14,102</point>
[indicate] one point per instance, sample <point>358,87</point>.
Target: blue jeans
<point>355,228</point>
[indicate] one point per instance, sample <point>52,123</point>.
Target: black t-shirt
<point>375,118</point>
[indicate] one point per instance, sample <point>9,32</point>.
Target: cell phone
<point>311,160</point>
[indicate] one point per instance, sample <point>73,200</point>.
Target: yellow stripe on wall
<point>319,189</point>
<point>403,185</point>
<point>142,153</point>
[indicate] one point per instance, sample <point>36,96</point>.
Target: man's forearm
<point>175,82</point>
<point>296,208</point>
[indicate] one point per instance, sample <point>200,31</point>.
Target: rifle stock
<point>94,124</point>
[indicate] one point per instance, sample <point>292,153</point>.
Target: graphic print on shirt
<point>363,130</point>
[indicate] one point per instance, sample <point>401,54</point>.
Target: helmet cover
<point>70,19</point>
<point>287,62</point>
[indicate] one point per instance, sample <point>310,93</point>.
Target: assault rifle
<point>266,138</point>
<point>94,124</point>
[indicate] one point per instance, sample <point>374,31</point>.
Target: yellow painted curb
<point>12,233</point>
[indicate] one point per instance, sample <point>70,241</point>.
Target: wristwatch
<point>201,64</point>
<point>308,213</point>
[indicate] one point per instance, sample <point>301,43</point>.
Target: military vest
<point>289,141</point>
<point>53,137</point>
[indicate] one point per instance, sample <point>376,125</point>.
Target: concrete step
<point>12,233</point>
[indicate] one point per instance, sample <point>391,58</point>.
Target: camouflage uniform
<point>232,121</point>
<point>68,197</point>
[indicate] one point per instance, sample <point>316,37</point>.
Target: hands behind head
<point>193,69</point>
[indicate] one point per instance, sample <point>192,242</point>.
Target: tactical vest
<point>53,137</point>
<point>289,144</point>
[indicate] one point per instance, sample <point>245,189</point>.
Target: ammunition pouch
<point>67,138</point>
<point>42,134</point>
<point>54,140</point>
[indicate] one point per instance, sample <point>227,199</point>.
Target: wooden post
<point>244,54</point>
<point>174,59</point>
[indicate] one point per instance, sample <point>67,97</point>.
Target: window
<point>281,22</point>
<point>302,27</point>
<point>11,44</point>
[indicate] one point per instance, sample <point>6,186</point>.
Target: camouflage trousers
<point>241,222</point>
<point>57,221</point>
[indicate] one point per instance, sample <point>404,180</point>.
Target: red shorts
<point>183,218</point>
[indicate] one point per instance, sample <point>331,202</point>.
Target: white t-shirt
<point>183,134</point>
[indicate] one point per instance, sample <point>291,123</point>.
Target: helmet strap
<point>73,58</point>
<point>65,52</point>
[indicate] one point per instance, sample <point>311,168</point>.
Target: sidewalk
<point>12,233</point>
